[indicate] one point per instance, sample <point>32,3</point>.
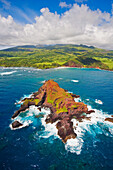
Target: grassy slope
<point>58,55</point>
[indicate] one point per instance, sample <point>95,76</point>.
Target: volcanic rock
<point>109,119</point>
<point>16,124</point>
<point>62,106</point>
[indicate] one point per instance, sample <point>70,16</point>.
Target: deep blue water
<point>27,148</point>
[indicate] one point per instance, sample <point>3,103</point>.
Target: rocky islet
<point>62,105</point>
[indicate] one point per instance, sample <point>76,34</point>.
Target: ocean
<point>37,145</point>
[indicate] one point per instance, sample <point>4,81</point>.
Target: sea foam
<point>98,101</point>
<point>7,73</point>
<point>75,81</point>
<point>96,125</point>
<point>50,129</point>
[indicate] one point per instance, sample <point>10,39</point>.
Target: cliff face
<point>62,105</point>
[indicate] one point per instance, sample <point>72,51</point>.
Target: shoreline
<point>61,67</point>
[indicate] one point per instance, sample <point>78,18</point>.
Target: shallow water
<point>37,146</point>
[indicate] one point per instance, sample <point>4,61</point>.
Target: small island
<point>62,105</point>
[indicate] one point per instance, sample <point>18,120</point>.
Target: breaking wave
<point>43,81</point>
<point>95,125</point>
<point>7,73</point>
<point>98,101</point>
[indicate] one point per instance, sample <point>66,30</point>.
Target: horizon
<point>59,22</point>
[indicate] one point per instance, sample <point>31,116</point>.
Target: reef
<point>62,105</point>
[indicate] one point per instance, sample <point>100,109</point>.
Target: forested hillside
<point>44,57</point>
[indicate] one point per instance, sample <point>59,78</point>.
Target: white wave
<point>33,110</point>
<point>22,98</point>
<point>87,99</point>
<point>20,68</point>
<point>50,129</point>
<point>75,81</point>
<point>98,101</point>
<point>74,145</point>
<point>80,128</point>
<point>59,67</point>
<point>43,81</point>
<point>70,92</point>
<point>77,99</point>
<point>7,73</point>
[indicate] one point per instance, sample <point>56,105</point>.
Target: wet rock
<point>75,96</point>
<point>16,124</point>
<point>39,108</point>
<point>90,111</point>
<point>109,119</point>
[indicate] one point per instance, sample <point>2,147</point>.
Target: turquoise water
<point>37,146</point>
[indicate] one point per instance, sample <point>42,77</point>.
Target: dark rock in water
<point>90,111</point>
<point>16,124</point>
<point>39,108</point>
<point>62,106</point>
<point>75,96</point>
<point>65,130</point>
<point>109,119</point>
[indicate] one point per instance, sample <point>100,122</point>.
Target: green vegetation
<point>64,109</point>
<point>45,57</point>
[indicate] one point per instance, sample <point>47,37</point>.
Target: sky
<point>32,22</point>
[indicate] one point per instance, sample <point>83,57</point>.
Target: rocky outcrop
<point>109,119</point>
<point>16,124</point>
<point>62,106</point>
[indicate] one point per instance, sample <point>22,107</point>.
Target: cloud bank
<point>78,25</point>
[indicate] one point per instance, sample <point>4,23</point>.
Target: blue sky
<point>87,22</point>
<point>18,9</point>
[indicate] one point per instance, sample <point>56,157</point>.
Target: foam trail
<point>75,81</point>
<point>98,101</point>
<point>7,73</point>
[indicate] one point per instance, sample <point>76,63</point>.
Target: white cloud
<point>64,5</point>
<point>78,25</point>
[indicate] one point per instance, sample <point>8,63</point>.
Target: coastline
<point>61,67</point>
